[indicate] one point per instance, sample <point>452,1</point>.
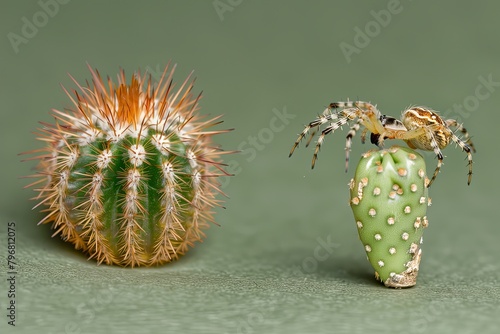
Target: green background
<point>264,269</point>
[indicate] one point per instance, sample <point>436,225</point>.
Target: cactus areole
<point>389,201</point>
<point>129,174</point>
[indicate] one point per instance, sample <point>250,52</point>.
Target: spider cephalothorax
<point>419,127</point>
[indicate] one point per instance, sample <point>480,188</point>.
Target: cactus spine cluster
<point>389,199</point>
<point>129,175</point>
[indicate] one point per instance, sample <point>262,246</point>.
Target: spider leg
<point>367,112</point>
<point>437,151</point>
<point>467,149</point>
<point>363,135</point>
<point>326,112</point>
<point>348,142</point>
<point>407,135</point>
<point>459,127</point>
<point>311,136</point>
<point>329,129</point>
<point>325,117</point>
<point>371,119</point>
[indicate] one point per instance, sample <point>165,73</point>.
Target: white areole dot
<point>390,221</point>
<point>117,134</point>
<point>137,155</point>
<point>381,263</point>
<point>89,136</point>
<point>378,236</point>
<point>131,202</point>
<point>133,179</point>
<point>192,159</point>
<point>364,181</point>
<point>368,248</point>
<point>421,173</point>
<point>360,224</point>
<point>63,177</point>
<point>71,158</point>
<point>407,209</point>
<point>372,212</point>
<point>168,171</point>
<point>161,142</point>
<point>196,179</point>
<point>104,159</point>
<point>392,250</point>
<point>405,236</point>
<point>97,179</point>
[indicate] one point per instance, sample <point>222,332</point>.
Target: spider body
<point>418,117</point>
<point>420,127</point>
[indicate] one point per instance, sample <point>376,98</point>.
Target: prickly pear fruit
<point>129,174</point>
<point>389,200</point>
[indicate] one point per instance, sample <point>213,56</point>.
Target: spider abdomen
<point>433,128</point>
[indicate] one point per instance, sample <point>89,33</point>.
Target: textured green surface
<point>388,197</point>
<point>286,258</point>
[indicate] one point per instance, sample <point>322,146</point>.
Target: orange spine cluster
<point>129,175</point>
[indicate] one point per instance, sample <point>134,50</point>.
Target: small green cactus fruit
<point>389,201</point>
<point>129,175</point>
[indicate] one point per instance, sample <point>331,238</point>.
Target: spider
<point>420,127</point>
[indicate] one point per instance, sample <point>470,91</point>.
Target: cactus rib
<point>130,173</point>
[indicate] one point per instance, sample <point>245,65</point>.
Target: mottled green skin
<point>375,209</point>
<point>114,187</point>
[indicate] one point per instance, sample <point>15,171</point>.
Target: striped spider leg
<point>420,127</point>
<point>424,129</point>
<point>428,131</point>
<point>358,113</point>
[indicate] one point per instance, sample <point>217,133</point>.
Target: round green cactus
<point>389,199</point>
<point>130,174</point>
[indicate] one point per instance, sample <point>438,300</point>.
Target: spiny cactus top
<point>129,175</point>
